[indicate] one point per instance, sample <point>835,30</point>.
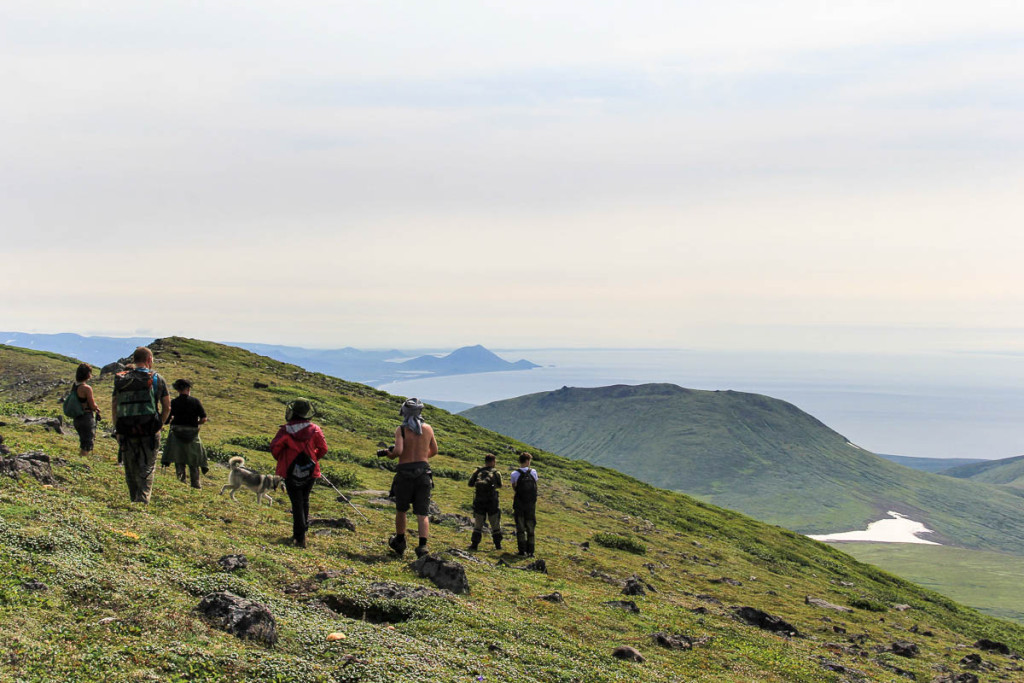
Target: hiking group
<point>141,406</point>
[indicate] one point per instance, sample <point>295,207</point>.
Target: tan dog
<point>239,476</point>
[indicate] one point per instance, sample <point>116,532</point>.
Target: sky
<point>788,175</point>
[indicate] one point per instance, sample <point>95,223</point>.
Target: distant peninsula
<point>375,368</point>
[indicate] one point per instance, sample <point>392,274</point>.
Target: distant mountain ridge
<point>933,465</point>
<point>756,454</point>
<point>1005,472</point>
<point>369,367</point>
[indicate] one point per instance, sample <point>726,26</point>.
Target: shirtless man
<point>414,445</point>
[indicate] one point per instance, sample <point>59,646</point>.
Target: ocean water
<point>938,405</point>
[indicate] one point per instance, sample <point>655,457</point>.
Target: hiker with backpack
<point>80,406</point>
<point>297,448</point>
<point>485,482</point>
<point>183,448</point>
<point>141,405</point>
<point>524,504</point>
<point>414,446</point>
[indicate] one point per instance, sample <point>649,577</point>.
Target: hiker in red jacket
<point>298,447</point>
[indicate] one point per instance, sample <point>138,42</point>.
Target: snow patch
<point>898,529</point>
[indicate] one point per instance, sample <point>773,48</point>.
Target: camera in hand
<point>384,452</point>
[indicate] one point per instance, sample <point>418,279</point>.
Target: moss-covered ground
<point>123,579</point>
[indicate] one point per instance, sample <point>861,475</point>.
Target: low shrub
<point>616,542</point>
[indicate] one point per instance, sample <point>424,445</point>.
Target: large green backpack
<point>485,486</point>
<point>138,412</point>
<point>72,404</point>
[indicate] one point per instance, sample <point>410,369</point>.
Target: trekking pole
<point>342,496</point>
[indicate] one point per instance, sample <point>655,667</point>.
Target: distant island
<point>368,367</point>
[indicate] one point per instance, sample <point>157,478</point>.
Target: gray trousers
<point>139,458</point>
<point>494,519</point>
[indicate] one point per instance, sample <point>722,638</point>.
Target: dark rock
<point>760,619</point>
<point>230,563</point>
<point>678,641</point>
<point>825,604</point>
<point>260,385</point>
<point>992,646</point>
<point>111,368</point>
<point>433,509</point>
<point>701,610</point>
<point>539,566</point>
<point>627,653</point>
<point>555,597</point>
<point>53,424</point>
<point>388,590</point>
<point>240,617</point>
<point>905,648</point>
<point>445,574</point>
<point>627,605</point>
<point>339,523</point>
<point>34,463</point>
<point>34,585</point>
<point>917,629</point>
<point>956,678</point>
<point>853,674</point>
<point>452,519</point>
<point>637,586</point>
<point>710,599</point>
<point>328,574</point>
<point>601,575</point>
<point>971,661</point>
<point>726,579</point>
<point>494,647</point>
<point>897,670</point>
<point>585,545</point>
<point>4,450</point>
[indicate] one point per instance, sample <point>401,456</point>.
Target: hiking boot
<point>497,541</point>
<point>300,543</point>
<point>421,550</point>
<point>397,545</point>
<point>474,541</point>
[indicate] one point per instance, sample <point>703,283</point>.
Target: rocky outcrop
<point>555,597</point>
<point>768,622</point>
<point>627,653</point>
<point>905,648</point>
<point>230,563</point>
<point>824,604</point>
<point>444,574</point>
<point>243,618</point>
<point>956,678</point>
<point>637,586</point>
<point>992,646</point>
<point>333,523</point>
<point>627,605</point>
<point>34,464</point>
<point>678,641</point>
<point>109,368</point>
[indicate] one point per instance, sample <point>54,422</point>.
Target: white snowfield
<point>899,529</point>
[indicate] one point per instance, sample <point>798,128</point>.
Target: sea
<point>933,405</point>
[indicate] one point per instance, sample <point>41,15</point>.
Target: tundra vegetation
<point>93,587</point>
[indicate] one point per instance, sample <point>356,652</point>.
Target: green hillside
<point>934,465</point>
<point>1005,472</point>
<point>756,454</point>
<point>93,587</point>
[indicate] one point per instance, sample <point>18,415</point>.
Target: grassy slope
<point>755,454</point>
<point>146,567</point>
<point>1005,472</point>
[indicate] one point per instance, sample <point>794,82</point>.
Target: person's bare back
<point>413,447</point>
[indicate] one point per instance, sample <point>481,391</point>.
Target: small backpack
<point>526,489</point>
<point>72,404</point>
<point>137,406</point>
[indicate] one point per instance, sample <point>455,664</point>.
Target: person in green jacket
<point>184,448</point>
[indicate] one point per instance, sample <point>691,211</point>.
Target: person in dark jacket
<point>486,481</point>
<point>183,447</point>
<point>297,448</point>
<point>524,504</point>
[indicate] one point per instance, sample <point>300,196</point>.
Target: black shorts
<point>411,486</point>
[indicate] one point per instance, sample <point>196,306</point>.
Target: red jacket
<point>294,438</point>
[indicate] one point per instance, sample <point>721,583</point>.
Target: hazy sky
<point>788,175</point>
